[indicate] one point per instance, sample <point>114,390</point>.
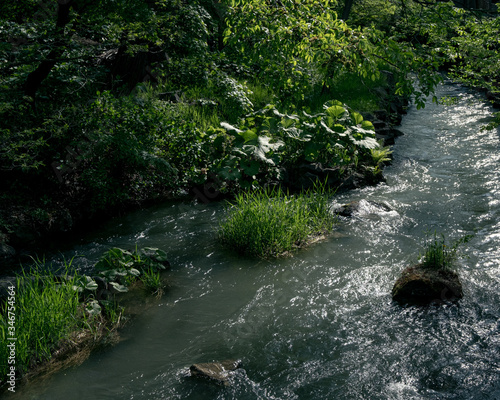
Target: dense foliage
<point>106,104</point>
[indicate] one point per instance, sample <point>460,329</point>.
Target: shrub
<point>120,267</point>
<point>119,160</point>
<point>268,140</point>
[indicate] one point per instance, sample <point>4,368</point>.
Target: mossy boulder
<point>421,285</point>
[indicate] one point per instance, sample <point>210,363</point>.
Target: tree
<point>292,41</point>
<point>347,9</point>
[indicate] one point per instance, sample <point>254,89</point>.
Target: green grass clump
<point>151,279</point>
<point>439,255</point>
<point>271,223</point>
<point>46,312</point>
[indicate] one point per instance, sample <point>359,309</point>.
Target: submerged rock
<point>358,206</point>
<point>219,372</point>
<point>420,285</point>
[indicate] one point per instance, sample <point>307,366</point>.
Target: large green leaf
<point>119,288</point>
<point>250,167</point>
<point>230,128</point>
<point>357,117</point>
<point>335,111</point>
<point>249,135</point>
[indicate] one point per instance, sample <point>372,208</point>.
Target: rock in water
<point>420,285</point>
<point>366,206</point>
<point>219,372</point>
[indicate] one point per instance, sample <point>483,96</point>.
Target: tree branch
<point>36,77</point>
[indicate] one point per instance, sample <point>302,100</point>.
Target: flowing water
<point>321,325</point>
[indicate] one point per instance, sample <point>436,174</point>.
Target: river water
<point>321,325</point>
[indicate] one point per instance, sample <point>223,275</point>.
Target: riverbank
<point>32,226</point>
<point>52,321</point>
<point>308,326</point>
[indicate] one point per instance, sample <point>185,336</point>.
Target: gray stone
<point>388,135</point>
<point>219,372</point>
<point>6,251</point>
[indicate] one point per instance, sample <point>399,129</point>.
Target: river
<point>321,325</point>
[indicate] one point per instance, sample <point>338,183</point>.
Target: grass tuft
<point>439,255</point>
<point>46,311</point>
<point>151,279</point>
<point>270,223</point>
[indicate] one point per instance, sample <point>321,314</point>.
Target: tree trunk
<point>347,9</point>
<point>36,77</point>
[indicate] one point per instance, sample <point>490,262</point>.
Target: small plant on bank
<point>152,281</point>
<point>439,255</point>
<point>270,223</point>
<point>380,156</point>
<point>121,267</point>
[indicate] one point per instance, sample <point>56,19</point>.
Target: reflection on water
<point>321,325</point>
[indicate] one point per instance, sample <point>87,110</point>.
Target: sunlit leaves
<point>335,111</point>
<point>336,137</point>
<point>283,38</point>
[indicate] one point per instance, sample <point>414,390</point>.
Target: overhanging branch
<point>36,77</point>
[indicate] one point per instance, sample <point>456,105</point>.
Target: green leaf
<point>230,128</point>
<point>249,135</point>
<point>335,111</point>
<point>330,103</point>
<point>367,125</point>
<point>119,288</point>
<point>357,117</point>
<point>160,255</point>
<point>367,143</point>
<point>250,167</point>
<point>89,283</point>
<point>339,128</point>
<point>93,308</point>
